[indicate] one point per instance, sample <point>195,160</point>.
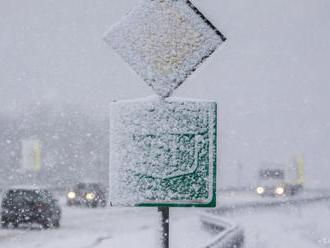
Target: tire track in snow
<point>98,241</point>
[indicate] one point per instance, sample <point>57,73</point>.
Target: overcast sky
<point>270,78</point>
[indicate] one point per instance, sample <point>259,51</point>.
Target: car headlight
<point>90,196</point>
<point>279,190</point>
<point>71,195</point>
<point>260,190</point>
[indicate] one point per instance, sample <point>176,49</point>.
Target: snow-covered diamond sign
<point>164,41</point>
<point>163,153</point>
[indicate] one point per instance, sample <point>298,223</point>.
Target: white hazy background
<point>270,78</point>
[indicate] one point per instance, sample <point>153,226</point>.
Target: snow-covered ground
<point>84,228</point>
<point>110,227</point>
<point>279,227</point>
<point>304,224</point>
<point>300,226</point>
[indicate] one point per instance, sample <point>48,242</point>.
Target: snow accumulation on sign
<point>163,153</point>
<point>164,41</point>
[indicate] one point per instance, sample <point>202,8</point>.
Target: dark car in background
<point>87,194</point>
<point>23,205</point>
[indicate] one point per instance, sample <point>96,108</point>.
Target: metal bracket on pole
<point>165,212</point>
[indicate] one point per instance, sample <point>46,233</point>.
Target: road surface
<point>305,225</point>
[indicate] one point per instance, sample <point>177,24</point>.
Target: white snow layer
<point>162,152</point>
<point>164,41</point>
<point>296,226</point>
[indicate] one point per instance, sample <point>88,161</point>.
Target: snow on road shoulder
<point>186,230</point>
<point>296,226</point>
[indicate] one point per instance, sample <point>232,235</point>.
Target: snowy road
<point>85,228</point>
<point>110,227</point>
<point>280,227</point>
<point>235,201</point>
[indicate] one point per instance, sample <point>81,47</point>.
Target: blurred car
<point>87,194</point>
<point>30,206</point>
<point>277,180</point>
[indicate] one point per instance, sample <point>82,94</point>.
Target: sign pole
<point>165,212</point>
<point>170,146</point>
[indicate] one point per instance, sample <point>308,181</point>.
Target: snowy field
<point>295,226</point>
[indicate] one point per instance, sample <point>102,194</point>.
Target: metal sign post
<point>165,215</point>
<point>162,149</point>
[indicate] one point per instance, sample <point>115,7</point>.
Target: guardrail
<point>228,234</point>
<point>231,236</point>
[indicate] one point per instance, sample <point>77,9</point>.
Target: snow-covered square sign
<point>164,41</point>
<point>163,153</point>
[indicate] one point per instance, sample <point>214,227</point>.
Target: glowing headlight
<point>71,195</point>
<point>90,196</point>
<point>260,190</point>
<point>279,190</point>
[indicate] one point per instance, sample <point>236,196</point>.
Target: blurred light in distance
<point>90,196</point>
<point>260,190</point>
<point>71,195</point>
<point>279,190</point>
